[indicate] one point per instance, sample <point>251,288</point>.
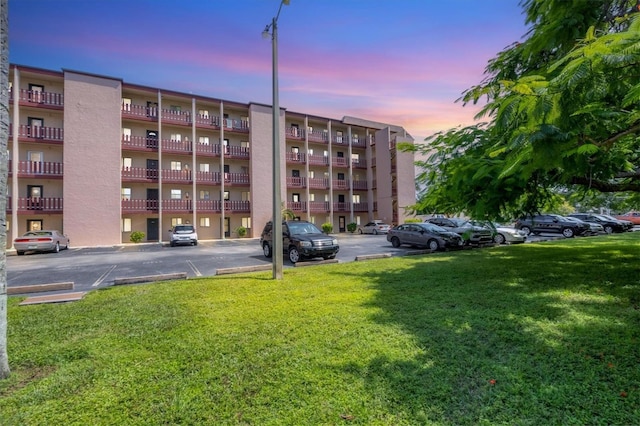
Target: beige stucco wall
<point>261,165</point>
<point>92,124</point>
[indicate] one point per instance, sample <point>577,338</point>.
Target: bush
<point>351,227</point>
<point>136,236</point>
<point>241,231</point>
<point>327,227</point>
<point>413,220</point>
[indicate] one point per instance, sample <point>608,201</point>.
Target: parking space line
<point>195,270</point>
<point>103,276</point>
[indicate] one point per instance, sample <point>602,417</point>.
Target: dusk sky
<point>402,62</point>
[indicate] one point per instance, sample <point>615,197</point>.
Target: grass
<point>533,334</point>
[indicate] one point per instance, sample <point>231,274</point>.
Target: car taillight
<point>27,240</point>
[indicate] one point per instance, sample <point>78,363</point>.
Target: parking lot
<point>85,269</point>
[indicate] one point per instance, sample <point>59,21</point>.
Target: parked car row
<point>574,224</point>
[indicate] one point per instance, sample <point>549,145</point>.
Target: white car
<point>376,227</point>
<point>508,235</point>
<point>183,235</point>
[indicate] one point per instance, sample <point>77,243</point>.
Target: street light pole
<point>276,240</point>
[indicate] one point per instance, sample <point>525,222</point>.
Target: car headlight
<point>334,241</point>
<point>305,244</point>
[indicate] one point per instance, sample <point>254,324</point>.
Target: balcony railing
<point>297,206</point>
<point>207,149</point>
<point>208,121</point>
<point>296,182</point>
<point>34,98</point>
<point>241,179</point>
<point>139,174</point>
<point>294,133</point>
<point>140,205</point>
<point>359,184</point>
<point>171,205</point>
<point>360,207</point>
<point>318,160</point>
<point>318,183</point>
<point>319,206</point>
<point>176,176</point>
<point>341,207</point>
<point>340,162</point>
<point>359,163</point>
<point>235,151</point>
<point>319,136</point>
<point>208,178</point>
<point>140,111</point>
<point>37,205</point>
<point>38,133</point>
<point>340,184</point>
<point>176,117</point>
<point>236,125</point>
<point>38,169</point>
<point>295,157</point>
<point>139,143</point>
<point>176,146</point>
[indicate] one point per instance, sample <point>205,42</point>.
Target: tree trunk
<point>4,136</point>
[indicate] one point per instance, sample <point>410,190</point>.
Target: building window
<point>244,144</point>
<point>205,222</point>
<point>204,195</point>
<point>204,140</point>
<point>176,165</point>
<point>126,224</point>
<point>338,137</point>
<point>295,198</point>
<point>175,108</point>
<point>340,176</point>
<point>203,113</point>
<point>176,194</point>
<point>126,104</point>
<point>312,219</point>
<point>176,221</point>
<point>203,167</point>
<point>176,137</point>
<point>358,220</point>
<point>245,195</point>
<point>226,195</point>
<point>356,198</point>
<point>312,174</point>
<point>126,134</point>
<point>246,222</point>
<point>312,197</point>
<point>126,163</point>
<point>125,193</point>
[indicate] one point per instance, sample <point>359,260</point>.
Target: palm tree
<point>4,161</point>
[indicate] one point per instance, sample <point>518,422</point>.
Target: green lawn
<point>536,334</point>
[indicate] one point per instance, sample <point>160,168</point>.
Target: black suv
<point>550,223</point>
<point>301,240</point>
<point>609,225</point>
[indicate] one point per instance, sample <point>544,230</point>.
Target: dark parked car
<point>472,234</point>
<point>551,223</point>
<point>300,240</point>
<point>610,225</point>
<point>424,235</point>
<point>627,223</point>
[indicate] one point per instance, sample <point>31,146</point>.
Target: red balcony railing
<point>176,146</point>
<point>34,98</point>
<point>318,206</point>
<point>297,206</point>
<point>208,121</point>
<point>235,151</point>
<point>38,133</point>
<point>318,183</point>
<point>295,157</point>
<point>237,206</point>
<point>318,136</point>
<point>140,111</point>
<point>140,205</point>
<point>139,143</point>
<point>176,117</point>
<point>341,207</point>
<point>359,163</point>
<point>360,207</point>
<point>294,133</point>
<point>208,178</point>
<point>139,174</point>
<point>38,205</point>
<point>38,169</point>
<point>236,179</point>
<point>176,176</point>
<point>360,185</point>
<point>340,162</point>
<point>318,160</point>
<point>236,125</point>
<point>208,149</point>
<point>340,184</point>
<point>295,182</point>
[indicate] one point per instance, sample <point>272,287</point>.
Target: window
<point>295,149</point>
<point>176,194</point>
<point>203,167</point>
<point>177,137</point>
<point>126,104</point>
<point>126,224</point>
<point>312,219</point>
<point>246,222</point>
<point>312,197</point>
<point>311,174</point>
<point>35,156</point>
<point>339,137</point>
<point>326,197</point>
<point>295,129</point>
<point>326,153</point>
<point>245,196</point>
<point>34,225</point>
<point>295,173</point>
<point>244,144</point>
<point>356,198</point>
<point>204,194</point>
<point>203,113</point>
<point>204,140</point>
<point>126,163</point>
<point>355,139</point>
<point>125,194</point>
<point>176,221</point>
<point>176,165</point>
<point>310,151</point>
<point>358,220</point>
<point>205,222</point>
<point>226,195</point>
<point>295,198</point>
<point>126,134</point>
<point>341,198</point>
<point>340,176</point>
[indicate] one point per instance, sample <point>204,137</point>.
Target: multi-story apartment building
<point>98,158</point>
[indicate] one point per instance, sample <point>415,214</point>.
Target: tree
<point>4,162</point>
<point>562,114</point>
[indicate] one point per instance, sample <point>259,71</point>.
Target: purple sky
<point>403,62</point>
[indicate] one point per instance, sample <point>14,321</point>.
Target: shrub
<point>241,231</point>
<point>413,220</point>
<point>136,236</point>
<point>327,227</point>
<point>351,227</point>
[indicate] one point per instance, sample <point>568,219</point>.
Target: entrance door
<point>152,169</point>
<point>341,224</point>
<point>152,229</point>
<point>152,139</point>
<point>227,227</point>
<point>34,197</point>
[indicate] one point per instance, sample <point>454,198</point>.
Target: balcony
<point>358,142</point>
<point>341,207</point>
<point>37,169</point>
<point>39,99</point>
<point>295,158</point>
<point>318,136</point>
<point>139,112</point>
<point>38,133</point>
<point>318,206</point>
<point>176,146</point>
<point>184,206</point>
<point>139,143</point>
<point>340,162</point>
<point>318,183</point>
<point>297,206</point>
<point>235,151</point>
<point>360,207</point>
<point>359,185</point>
<point>318,160</point>
<point>170,116</point>
<point>294,133</point>
<point>340,184</point>
<point>296,182</point>
<point>139,174</point>
<point>208,149</point>
<point>235,125</point>
<point>208,121</point>
<point>210,178</point>
<point>236,179</point>
<point>176,176</point>
<point>34,205</point>
<point>359,163</point>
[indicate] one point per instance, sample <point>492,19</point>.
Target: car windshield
<point>184,229</point>
<point>432,228</point>
<point>459,222</point>
<point>38,234</point>
<point>303,228</point>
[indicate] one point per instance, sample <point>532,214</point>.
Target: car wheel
<point>526,230</point>
<point>375,232</point>
<point>567,232</point>
<point>172,244</point>
<point>395,242</point>
<point>56,249</point>
<point>499,239</point>
<point>20,253</point>
<point>608,229</point>
<point>266,249</point>
<point>360,231</point>
<point>195,243</point>
<point>333,256</point>
<point>433,245</point>
<point>67,246</point>
<point>294,254</point>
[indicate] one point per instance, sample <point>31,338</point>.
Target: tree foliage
<point>561,112</point>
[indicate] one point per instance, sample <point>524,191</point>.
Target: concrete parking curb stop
<point>39,288</point>
<point>150,278</point>
<point>240,269</point>
<point>53,298</point>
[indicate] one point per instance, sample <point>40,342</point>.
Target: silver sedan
<point>45,240</point>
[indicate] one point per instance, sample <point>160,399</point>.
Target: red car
<point>633,217</point>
